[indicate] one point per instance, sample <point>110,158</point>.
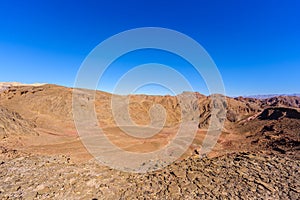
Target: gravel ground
<point>251,175</point>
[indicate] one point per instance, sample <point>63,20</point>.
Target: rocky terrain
<point>234,176</point>
<point>42,157</point>
<point>12,123</point>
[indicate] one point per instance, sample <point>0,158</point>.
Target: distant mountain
<point>266,96</point>
<point>6,85</point>
<point>276,101</point>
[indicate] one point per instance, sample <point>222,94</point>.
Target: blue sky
<point>255,44</point>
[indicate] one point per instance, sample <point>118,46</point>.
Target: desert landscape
<point>162,100</point>
<point>43,157</point>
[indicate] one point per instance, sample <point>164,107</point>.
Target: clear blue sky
<point>254,43</point>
